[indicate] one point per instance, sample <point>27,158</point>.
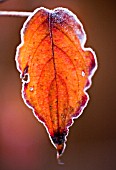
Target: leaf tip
<point>60,149</point>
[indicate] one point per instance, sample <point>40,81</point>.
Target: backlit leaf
<point>56,70</point>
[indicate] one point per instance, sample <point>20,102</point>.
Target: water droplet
<point>83,73</point>
<point>31,88</point>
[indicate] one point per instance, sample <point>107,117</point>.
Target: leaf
<point>56,70</point>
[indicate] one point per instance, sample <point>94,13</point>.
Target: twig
<point>15,13</point>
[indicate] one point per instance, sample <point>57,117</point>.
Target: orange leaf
<point>56,69</point>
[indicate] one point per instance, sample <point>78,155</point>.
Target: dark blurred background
<point>91,145</point>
